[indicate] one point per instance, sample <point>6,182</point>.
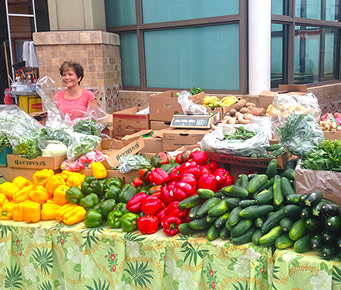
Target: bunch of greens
<point>195,91</point>
<point>240,134</point>
<point>300,134</point>
<point>48,133</point>
<point>88,127</point>
<point>81,144</point>
<point>4,142</point>
<point>327,156</point>
<point>132,162</point>
<point>27,148</point>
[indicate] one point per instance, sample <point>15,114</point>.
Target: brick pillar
<point>97,51</point>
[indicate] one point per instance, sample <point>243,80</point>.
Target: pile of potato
<point>330,122</point>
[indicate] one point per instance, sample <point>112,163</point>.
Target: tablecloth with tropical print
<point>49,255</point>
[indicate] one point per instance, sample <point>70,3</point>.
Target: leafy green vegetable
<point>240,134</point>
<point>88,127</point>
<point>195,91</point>
<point>53,134</point>
<point>4,142</point>
<point>27,148</point>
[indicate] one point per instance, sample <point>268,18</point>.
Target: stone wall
<point>97,51</point>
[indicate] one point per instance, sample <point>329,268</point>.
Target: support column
<point>259,46</point>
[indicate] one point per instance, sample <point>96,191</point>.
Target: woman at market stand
<point>74,101</point>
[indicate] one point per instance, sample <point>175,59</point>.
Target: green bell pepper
<point>73,195</point>
<point>116,181</point>
<point>107,206</point>
<point>144,188</point>
<point>122,207</point>
<point>89,201</point>
<point>169,167</point>
<point>92,185</point>
<point>93,218</point>
<point>114,219</point>
<point>127,192</point>
<point>129,222</point>
<point>112,192</point>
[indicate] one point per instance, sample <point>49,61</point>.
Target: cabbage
<point>55,149</point>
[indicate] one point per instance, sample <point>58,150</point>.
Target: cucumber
<point>297,230</point>
<point>232,202</point>
<point>219,194</point>
<point>241,227</point>
<point>256,183</point>
<point>316,241</point>
<point>237,183</point>
<point>332,223</point>
<point>291,164</point>
<point>244,180</point>
<point>271,170</point>
<point>213,233</point>
<point>316,210</point>
<point>193,211</point>
<point>314,198</point>
<point>328,252</point>
<point>228,226</point>
<point>252,175</point>
<point>255,211</point>
<point>302,199</point>
<point>278,195</point>
<point>205,207</point>
<point>292,211</point>
<point>218,209</point>
<point>270,238</point>
<point>247,202</point>
<point>331,209</point>
<point>283,242</point>
<point>245,238</point>
<point>256,236</point>
<point>259,222</point>
<point>289,173</point>
<point>266,186</point>
<point>185,229</point>
<point>221,221</point>
<point>224,233</point>
<point>286,224</point>
<point>313,225</point>
<point>286,187</point>
<point>338,243</point>
<point>293,198</point>
<point>189,202</point>
<point>211,219</point>
<point>235,191</point>
<point>303,244</point>
<point>199,224</point>
<point>264,197</point>
<point>205,193</point>
<point>273,220</point>
<point>234,217</point>
<point>306,213</point>
<point>328,237</point>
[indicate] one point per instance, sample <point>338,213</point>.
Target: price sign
<point>194,121</point>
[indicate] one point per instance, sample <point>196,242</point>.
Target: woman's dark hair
<point>74,66</point>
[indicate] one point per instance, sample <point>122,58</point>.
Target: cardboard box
<point>332,135</point>
<point>163,106</point>
<point>10,173</point>
<point>328,181</point>
<point>41,162</point>
<point>126,177</point>
<point>127,122</point>
<point>266,97</point>
<point>236,170</point>
<point>153,140</point>
<point>159,125</point>
<point>175,138</point>
<point>30,104</point>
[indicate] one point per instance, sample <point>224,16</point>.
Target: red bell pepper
<point>185,188</point>
<point>208,181</point>
<point>167,192</point>
<point>200,157</point>
<point>187,165</point>
<point>134,204</point>
<point>190,167</point>
<point>170,225</point>
<point>212,165</point>
<point>158,176</point>
<point>182,157</point>
<point>143,173</point>
<point>188,178</point>
<point>175,174</point>
<point>155,190</point>
<point>161,215</point>
<point>147,224</point>
<point>151,205</point>
<point>205,169</point>
<point>223,178</point>
<point>174,210</point>
<point>137,182</point>
<point>159,159</point>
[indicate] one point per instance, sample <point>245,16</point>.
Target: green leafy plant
<point>4,142</point>
<point>88,127</point>
<point>241,134</point>
<point>13,277</point>
<point>139,273</point>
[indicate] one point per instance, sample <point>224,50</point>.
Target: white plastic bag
<point>188,107</point>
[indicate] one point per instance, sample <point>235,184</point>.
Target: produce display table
<point>48,255</point>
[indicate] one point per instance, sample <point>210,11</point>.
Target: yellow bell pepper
<point>23,194</point>
<point>98,170</point>
<point>21,182</point>
<point>49,211</point>
<point>65,174</point>
<point>7,211</point>
<point>18,213</point>
<point>59,194</point>
<point>40,177</point>
<point>75,179</point>
<point>3,199</point>
<point>74,216</point>
<point>39,194</point>
<point>63,210</point>
<point>53,182</point>
<point>31,211</point>
<point>8,188</point>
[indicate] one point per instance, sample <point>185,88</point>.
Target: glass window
<point>120,12</point>
<point>332,10</point>
<point>279,7</point>
<point>206,57</point>
<point>308,9</point>
<point>129,60</point>
<point>172,10</point>
<point>330,63</point>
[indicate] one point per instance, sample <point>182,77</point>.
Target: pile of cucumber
<point>265,209</point>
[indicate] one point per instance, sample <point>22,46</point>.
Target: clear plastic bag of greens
<point>81,144</point>
<point>132,162</point>
<point>188,107</point>
<point>250,140</point>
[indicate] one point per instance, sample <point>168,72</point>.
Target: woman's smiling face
<point>70,78</point>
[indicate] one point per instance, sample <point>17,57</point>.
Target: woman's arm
<point>93,106</point>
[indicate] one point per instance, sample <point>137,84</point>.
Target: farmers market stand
<point>51,255</point>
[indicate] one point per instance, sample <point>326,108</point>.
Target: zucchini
<point>221,221</point>
<point>316,210</point>
<point>301,202</point>
<point>256,236</point>
<point>255,211</point>
<point>291,164</point>
<point>338,243</point>
<point>306,213</point>
<point>314,198</point>
<point>289,173</point>
<point>264,197</point>
<point>185,229</point>
<point>234,217</point>
<point>273,220</point>
<point>241,227</point>
<point>293,198</point>
<point>297,230</point>
<point>316,241</point>
<point>235,191</point>
<point>245,238</point>
<point>189,202</point>
<point>328,237</point>
<point>205,193</point>
<point>332,223</point>
<point>232,202</point>
<point>303,244</point>
<point>286,224</point>
<point>330,209</point>
<point>256,183</point>
<point>199,224</point>
<point>205,207</point>
<point>271,169</point>
<point>313,225</point>
<point>224,233</point>
<point>213,233</point>
<point>193,211</point>
<point>270,238</point>
<point>211,219</point>
<point>278,195</point>
<point>283,242</point>
<point>244,181</point>
<point>247,202</point>
<point>259,222</point>
<point>328,252</point>
<point>286,187</point>
<point>292,211</point>
<point>218,209</point>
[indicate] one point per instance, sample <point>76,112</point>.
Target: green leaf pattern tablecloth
<point>48,255</point>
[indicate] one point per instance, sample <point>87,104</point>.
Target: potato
<point>241,103</point>
<point>250,104</point>
<point>257,112</point>
<point>232,112</point>
<point>244,110</point>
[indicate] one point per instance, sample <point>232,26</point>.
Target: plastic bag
<point>215,141</point>
<point>82,161</point>
<point>132,162</point>
<point>81,144</point>
<point>188,107</point>
<point>52,148</point>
